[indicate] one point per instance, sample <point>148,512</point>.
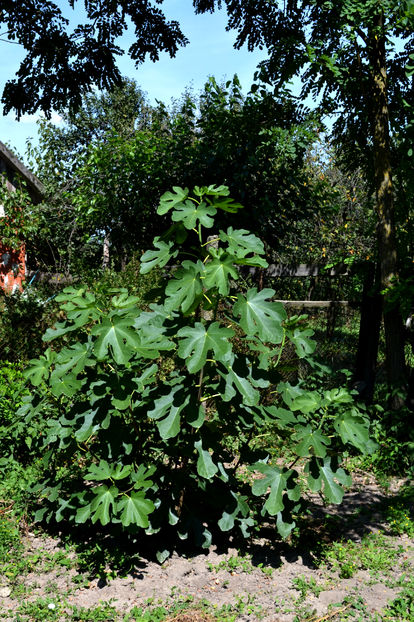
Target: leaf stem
<point>200,384</point>
<point>210,242</point>
<point>282,345</point>
<point>210,397</point>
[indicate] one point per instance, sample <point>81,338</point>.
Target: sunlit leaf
<point>242,243</point>
<point>192,214</point>
<point>310,441</point>
<point>195,343</point>
<point>302,341</point>
<point>170,199</point>
<point>219,270</point>
<point>115,337</point>
<point>354,429</point>
<point>38,370</point>
<point>185,287</point>
<point>259,316</point>
<point>323,476</point>
<point>103,504</point>
<point>273,483</point>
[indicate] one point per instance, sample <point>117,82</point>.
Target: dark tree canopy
<point>62,62</point>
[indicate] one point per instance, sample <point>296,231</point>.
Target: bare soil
<point>270,595</point>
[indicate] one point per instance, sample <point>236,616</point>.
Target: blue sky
<point>210,52</point>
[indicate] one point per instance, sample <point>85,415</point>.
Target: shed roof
<point>35,186</point>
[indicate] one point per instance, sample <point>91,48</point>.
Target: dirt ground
<point>265,582</point>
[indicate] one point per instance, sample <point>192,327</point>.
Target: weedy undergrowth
<point>145,446</point>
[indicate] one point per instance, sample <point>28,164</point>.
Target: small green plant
<point>399,512</point>
<point>235,563</point>
<point>267,570</point>
<point>46,561</point>
<point>307,585</point>
<point>248,606</point>
<point>400,520</point>
<point>40,609</point>
<point>304,613</point>
<point>105,612</point>
<point>10,542</point>
<point>152,447</point>
<point>239,563</point>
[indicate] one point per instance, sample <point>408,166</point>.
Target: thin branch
<point>363,36</point>
<point>8,41</point>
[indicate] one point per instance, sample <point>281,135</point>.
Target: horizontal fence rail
<point>298,270</point>
<point>317,303</point>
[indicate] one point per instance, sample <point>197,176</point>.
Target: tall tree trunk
<point>106,257</point>
<point>387,245</point>
<point>369,333</point>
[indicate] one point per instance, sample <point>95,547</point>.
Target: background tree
<point>346,55</point>
<point>62,146</point>
<point>256,144</point>
<point>62,243</point>
<point>115,192</point>
<point>106,166</point>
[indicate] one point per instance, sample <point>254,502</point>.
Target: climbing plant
<point>153,413</point>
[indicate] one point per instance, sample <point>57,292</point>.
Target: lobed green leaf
<point>259,316</point>
<point>195,343</point>
<point>135,509</point>
<point>218,271</point>
<point>170,199</point>
<point>160,257</point>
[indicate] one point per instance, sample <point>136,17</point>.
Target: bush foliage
<point>149,417</point>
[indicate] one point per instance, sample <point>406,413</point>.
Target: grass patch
<point>184,609</point>
<point>375,553</point>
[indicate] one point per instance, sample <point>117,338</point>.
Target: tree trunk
<point>387,245</point>
<point>106,258</point>
<point>369,333</point>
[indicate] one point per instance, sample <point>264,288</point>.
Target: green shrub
<point>12,388</point>
<point>102,282</point>
<point>24,317</point>
<point>152,413</point>
<point>394,434</point>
